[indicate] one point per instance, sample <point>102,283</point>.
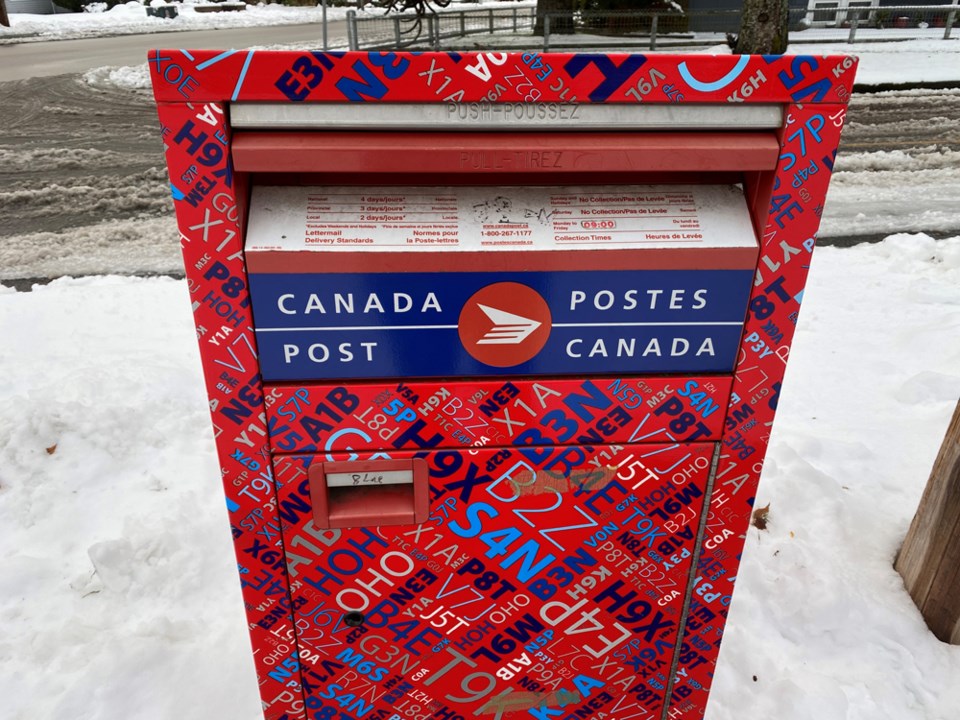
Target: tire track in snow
<point>83,186</point>
<point>83,183</point>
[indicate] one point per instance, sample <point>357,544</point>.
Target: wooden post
<point>929,560</point>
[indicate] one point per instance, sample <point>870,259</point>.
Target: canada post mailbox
<point>493,344</point>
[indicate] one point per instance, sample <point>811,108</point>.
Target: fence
<point>643,29</point>
<point>398,31</point>
<point>860,22</point>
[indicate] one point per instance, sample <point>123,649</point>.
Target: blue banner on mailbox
<point>379,325</point>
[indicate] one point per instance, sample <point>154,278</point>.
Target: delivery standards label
<point>382,325</point>
<point>483,218</point>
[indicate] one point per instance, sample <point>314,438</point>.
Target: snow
<point>118,589</point>
<point>131,18</point>
<point>820,616</point>
<point>924,57</point>
<point>130,77</point>
<point>907,61</point>
<point>148,245</point>
<point>118,592</point>
<point>55,158</point>
<point>882,192</point>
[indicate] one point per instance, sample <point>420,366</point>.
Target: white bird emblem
<point>508,329</point>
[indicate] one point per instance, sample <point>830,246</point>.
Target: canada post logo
<point>504,324</point>
<point>469,324</point>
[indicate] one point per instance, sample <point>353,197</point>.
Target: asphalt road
<point>44,59</point>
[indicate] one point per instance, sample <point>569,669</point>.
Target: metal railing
<point>641,29</point>
<point>399,31</point>
<point>648,28</point>
<point>881,23</point>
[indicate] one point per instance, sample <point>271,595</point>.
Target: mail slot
<point>493,343</point>
<point>370,494</point>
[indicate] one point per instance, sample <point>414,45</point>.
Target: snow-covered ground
<point>924,57</point>
<point>118,594</point>
<point>131,18</point>
<point>875,193</point>
<point>900,62</point>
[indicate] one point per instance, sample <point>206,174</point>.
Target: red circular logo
<point>504,324</point>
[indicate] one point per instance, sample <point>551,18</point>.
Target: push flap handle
<point>370,493</point>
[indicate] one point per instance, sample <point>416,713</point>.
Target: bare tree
<point>561,16</point>
<point>4,20</point>
<point>763,28</point>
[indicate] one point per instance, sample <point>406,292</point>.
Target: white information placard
<point>490,218</point>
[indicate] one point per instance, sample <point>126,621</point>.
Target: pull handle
<point>370,493</point>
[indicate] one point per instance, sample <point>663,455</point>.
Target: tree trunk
<point>929,560</point>
<point>4,20</point>
<point>561,16</point>
<point>763,28</point>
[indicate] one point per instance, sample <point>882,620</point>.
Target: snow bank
<point>147,245</point>
<point>131,18</point>
<point>907,61</point>
<point>881,192</point>
<point>129,77</point>
<point>118,594</point>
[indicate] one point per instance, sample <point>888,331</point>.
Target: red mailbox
<point>493,343</point>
